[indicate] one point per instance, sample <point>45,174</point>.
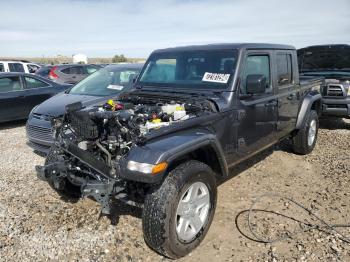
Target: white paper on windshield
<point>216,77</point>
<point>115,87</point>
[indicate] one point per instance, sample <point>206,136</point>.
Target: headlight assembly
<point>146,168</point>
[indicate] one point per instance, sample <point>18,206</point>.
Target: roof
<point>16,61</point>
<point>121,66</point>
<point>5,74</point>
<point>14,74</point>
<point>330,46</point>
<point>227,46</point>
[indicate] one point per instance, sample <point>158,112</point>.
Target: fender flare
<point>306,105</point>
<point>207,140</point>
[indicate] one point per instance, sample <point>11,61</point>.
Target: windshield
<point>324,59</point>
<point>209,69</point>
<point>106,81</point>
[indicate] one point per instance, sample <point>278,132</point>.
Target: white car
<point>18,66</point>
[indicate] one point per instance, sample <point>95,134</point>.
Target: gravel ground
<point>35,224</point>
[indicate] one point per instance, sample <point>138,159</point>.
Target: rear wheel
<point>305,140</point>
<point>178,214</point>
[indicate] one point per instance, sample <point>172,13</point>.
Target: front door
<point>37,91</point>
<point>11,98</point>
<point>257,128</point>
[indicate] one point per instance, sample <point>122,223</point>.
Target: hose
<point>330,227</point>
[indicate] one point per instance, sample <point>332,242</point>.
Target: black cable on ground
<point>310,226</point>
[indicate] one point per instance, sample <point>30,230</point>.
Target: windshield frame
<point>205,86</point>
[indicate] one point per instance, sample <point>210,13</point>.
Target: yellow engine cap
<point>157,120</point>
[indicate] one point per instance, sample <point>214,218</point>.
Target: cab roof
<point>227,46</point>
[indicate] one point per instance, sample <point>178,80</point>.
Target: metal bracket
<point>102,193</point>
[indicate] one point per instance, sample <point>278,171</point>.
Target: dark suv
<point>71,73</point>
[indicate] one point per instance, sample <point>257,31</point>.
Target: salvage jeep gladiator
<point>194,113</point>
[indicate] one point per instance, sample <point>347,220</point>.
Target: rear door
<point>12,95</point>
<point>257,128</point>
<point>36,91</point>
<point>288,92</point>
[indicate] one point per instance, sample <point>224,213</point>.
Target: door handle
<point>271,103</point>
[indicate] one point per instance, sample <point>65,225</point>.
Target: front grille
<point>335,90</point>
<point>41,133</point>
<point>42,117</point>
<point>337,106</point>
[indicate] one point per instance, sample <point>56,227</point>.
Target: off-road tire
<point>300,140</point>
<point>159,213</point>
<point>70,190</point>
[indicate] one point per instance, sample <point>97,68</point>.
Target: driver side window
<point>257,65</point>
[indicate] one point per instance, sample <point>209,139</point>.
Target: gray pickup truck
<point>333,63</point>
<point>195,113</point>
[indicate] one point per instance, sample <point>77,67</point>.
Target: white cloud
<point>135,28</point>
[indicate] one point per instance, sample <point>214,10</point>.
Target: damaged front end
<point>92,145</point>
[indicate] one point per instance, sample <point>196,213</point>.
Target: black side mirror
<point>256,84</point>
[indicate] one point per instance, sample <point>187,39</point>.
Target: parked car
<point>333,63</point>
<point>44,71</point>
<point>20,92</point>
<point>71,73</point>
<point>195,113</point>
<point>107,82</point>
<point>21,66</point>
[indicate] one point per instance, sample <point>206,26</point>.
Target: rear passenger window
<point>2,68</point>
<point>11,83</point>
<point>32,68</point>
<point>16,67</point>
<point>284,69</point>
<point>34,83</point>
<point>257,65</point>
<point>75,70</point>
<point>91,69</point>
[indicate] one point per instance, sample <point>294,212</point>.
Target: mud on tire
<point>160,214</point>
<point>301,140</point>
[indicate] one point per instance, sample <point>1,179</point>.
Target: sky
<point>103,28</point>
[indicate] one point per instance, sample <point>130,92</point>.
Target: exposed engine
<point>109,130</point>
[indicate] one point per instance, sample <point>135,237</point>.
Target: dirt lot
<point>35,224</point>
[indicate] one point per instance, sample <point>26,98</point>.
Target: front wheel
<point>178,214</point>
<point>305,140</point>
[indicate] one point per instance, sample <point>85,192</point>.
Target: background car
<point>44,71</point>
<point>106,83</point>
<point>21,66</point>
<point>71,73</point>
<point>20,92</point>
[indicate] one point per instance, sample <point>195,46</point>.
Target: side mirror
<point>256,84</point>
